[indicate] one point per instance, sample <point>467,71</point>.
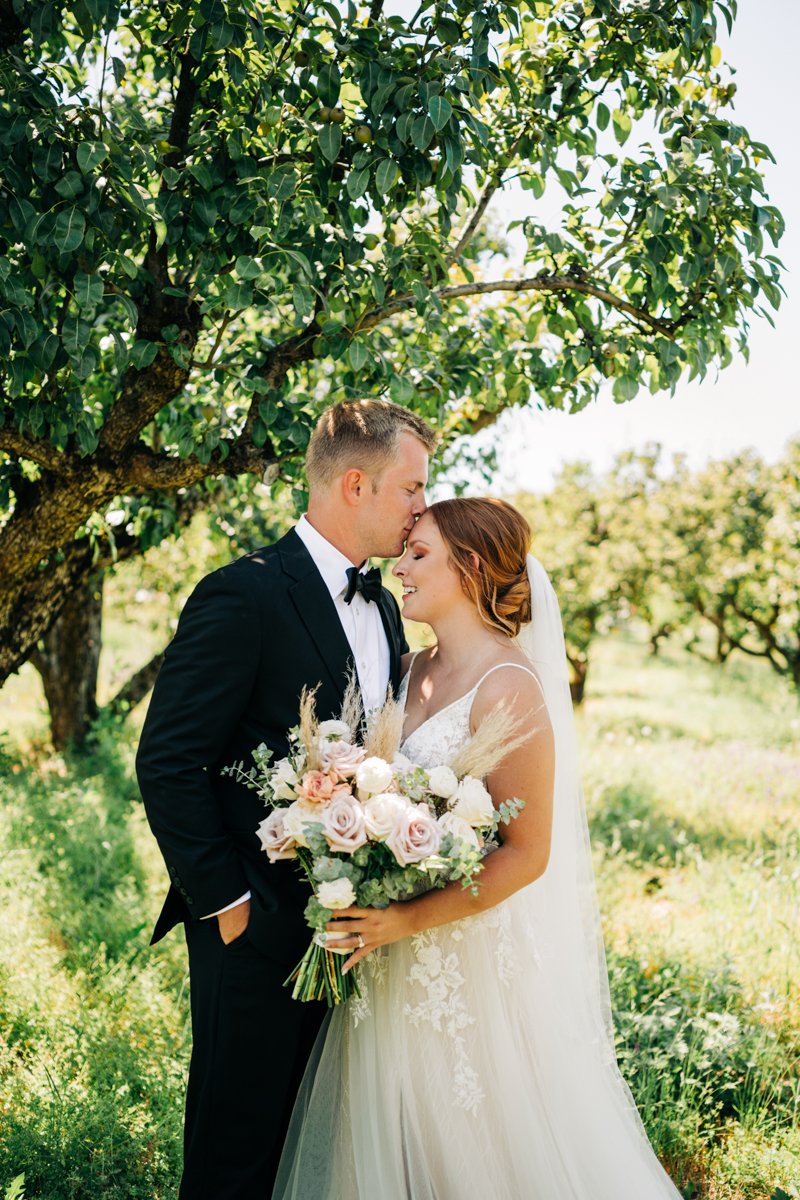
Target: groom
<point>250,637</point>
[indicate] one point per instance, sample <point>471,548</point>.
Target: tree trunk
<point>577,685</point>
<point>657,636</point>
<point>723,649</point>
<point>137,687</point>
<point>67,659</point>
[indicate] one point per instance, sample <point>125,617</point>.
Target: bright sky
<point>748,405</point>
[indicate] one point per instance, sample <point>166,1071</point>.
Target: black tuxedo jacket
<point>250,637</point>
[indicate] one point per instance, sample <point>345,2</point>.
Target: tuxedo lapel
<point>316,609</point>
<point>392,630</point>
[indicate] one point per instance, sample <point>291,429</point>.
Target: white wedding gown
<point>438,1084</point>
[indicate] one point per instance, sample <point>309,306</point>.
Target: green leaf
<point>75,335</point>
<point>131,311</point>
<point>143,353</point>
<point>603,116</point>
<point>44,350</point>
<point>206,210</point>
<point>622,126</point>
<point>303,300</point>
<point>329,83</point>
<point>239,295</point>
<point>90,155</point>
<point>247,267</point>
<point>386,175</point>
<point>283,183</point>
<point>330,141</point>
<point>440,111</point>
<point>69,230</point>
<point>358,354</point>
<point>22,211</point>
<point>357,183</point>
<point>88,290</point>
<point>422,132</point>
<point>401,389</point>
<point>70,185</point>
<point>625,388</point>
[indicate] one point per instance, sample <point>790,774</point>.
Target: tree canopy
<point>218,215</point>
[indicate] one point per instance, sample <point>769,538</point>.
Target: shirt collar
<point>330,562</point>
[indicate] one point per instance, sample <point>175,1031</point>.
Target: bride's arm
<point>526,773</point>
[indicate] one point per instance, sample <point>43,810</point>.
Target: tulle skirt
<point>439,1084</point>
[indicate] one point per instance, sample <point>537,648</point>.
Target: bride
<point>479,1063</point>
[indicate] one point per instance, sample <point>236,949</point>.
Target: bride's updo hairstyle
<point>500,537</point>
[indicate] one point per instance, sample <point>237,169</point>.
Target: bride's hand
<point>364,929</point>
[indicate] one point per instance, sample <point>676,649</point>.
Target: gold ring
<point>361,942</point>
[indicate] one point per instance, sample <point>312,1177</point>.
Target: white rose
<point>416,834</point>
<point>275,841</point>
<point>297,816</point>
<point>339,893</point>
<point>343,821</point>
<point>373,775</point>
<point>473,803</point>
<point>284,778</point>
<point>402,764</point>
<point>443,782</point>
<point>381,812</point>
<point>329,729</point>
<point>461,831</point>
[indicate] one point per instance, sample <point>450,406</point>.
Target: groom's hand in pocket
<point>233,923</point>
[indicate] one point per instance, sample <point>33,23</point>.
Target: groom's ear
<point>354,484</point>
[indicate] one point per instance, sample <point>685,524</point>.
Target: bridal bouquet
<point>367,826</point>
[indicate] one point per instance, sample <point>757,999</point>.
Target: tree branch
<point>182,112</point>
<point>143,394</point>
<point>539,283</point>
<point>483,203</point>
<point>43,453</point>
<point>165,473</point>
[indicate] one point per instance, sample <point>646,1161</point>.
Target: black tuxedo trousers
<point>251,636</point>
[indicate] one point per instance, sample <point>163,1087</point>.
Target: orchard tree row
<point>716,549</point>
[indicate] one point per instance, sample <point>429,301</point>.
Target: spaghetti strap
<point>497,667</point>
<point>407,677</point>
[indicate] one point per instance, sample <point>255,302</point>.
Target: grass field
<point>692,780</point>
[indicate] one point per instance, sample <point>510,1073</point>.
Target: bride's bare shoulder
<point>510,681</point>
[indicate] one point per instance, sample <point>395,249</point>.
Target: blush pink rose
<point>416,835</point>
<point>343,824</point>
<point>274,839</point>
<point>340,758</point>
<point>317,787</point>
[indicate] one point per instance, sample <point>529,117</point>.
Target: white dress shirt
<point>361,622</point>
<point>361,619</point>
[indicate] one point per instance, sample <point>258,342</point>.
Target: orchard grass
<point>692,778</point>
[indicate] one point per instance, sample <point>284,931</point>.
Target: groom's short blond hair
<point>361,434</point>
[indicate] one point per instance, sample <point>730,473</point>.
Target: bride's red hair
<point>500,537</point>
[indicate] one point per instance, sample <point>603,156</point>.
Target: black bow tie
<point>366,582</point>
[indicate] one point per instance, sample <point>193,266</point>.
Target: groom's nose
<point>420,503</point>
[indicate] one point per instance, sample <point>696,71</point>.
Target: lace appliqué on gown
<point>436,981</point>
